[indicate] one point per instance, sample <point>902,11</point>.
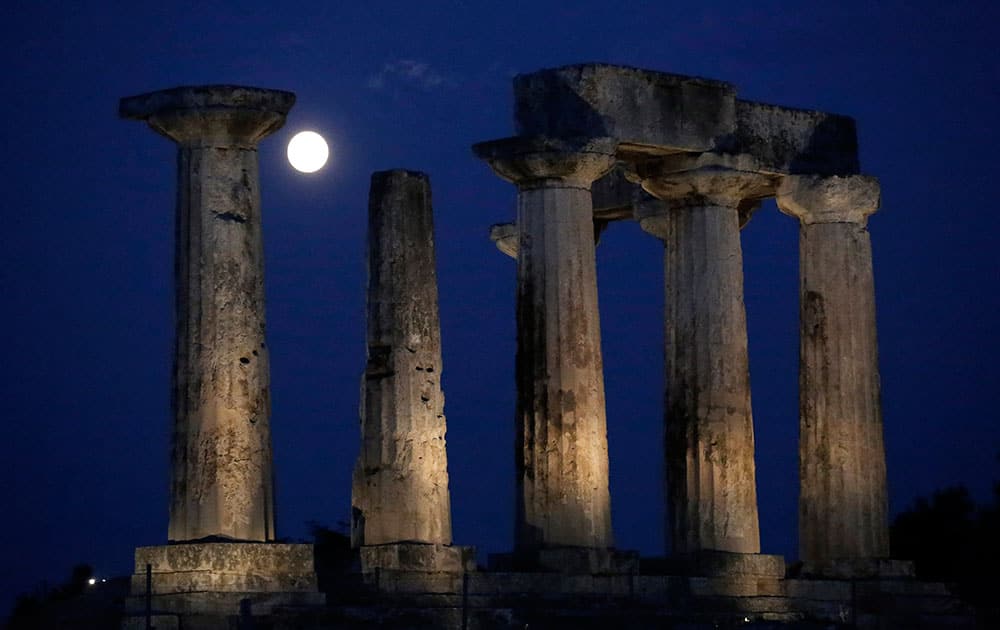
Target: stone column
<point>221,481</point>
<point>709,444</point>
<point>842,500</point>
<point>561,449</point>
<point>400,491</point>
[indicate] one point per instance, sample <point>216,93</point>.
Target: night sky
<point>86,251</point>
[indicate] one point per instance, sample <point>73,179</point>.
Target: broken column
<point>842,501</point>
<point>709,443</point>
<point>563,507</point>
<point>401,505</point>
<point>222,488</point>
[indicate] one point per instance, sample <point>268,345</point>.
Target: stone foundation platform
<point>205,584</point>
<point>858,568</point>
<point>568,560</point>
<point>419,557</point>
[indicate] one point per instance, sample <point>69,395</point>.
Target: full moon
<point>307,152</point>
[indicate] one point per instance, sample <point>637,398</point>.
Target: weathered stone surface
<point>418,557</point>
<point>646,111</point>
<point>561,444</point>
<point>843,500</point>
<point>223,604</point>
<point>212,578</point>
<point>504,236</point>
<point>243,558</point>
<point>787,140</point>
<point>575,561</point>
<point>711,485</point>
<point>222,480</point>
<point>400,488</point>
<point>211,115</point>
<point>726,564</point>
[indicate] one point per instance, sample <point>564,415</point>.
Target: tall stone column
<point>221,481</point>
<point>400,491</point>
<point>561,449</point>
<point>709,445</point>
<point>842,500</point>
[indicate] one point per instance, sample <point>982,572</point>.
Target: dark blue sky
<point>86,245</point>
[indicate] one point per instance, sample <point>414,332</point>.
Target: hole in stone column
<point>255,353</point>
<point>244,360</point>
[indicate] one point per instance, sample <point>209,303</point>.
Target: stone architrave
<point>400,486</point>
<point>562,496</point>
<point>842,499</point>
<point>221,482</point>
<point>709,444</point>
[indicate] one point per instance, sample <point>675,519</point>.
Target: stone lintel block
<point>710,563</point>
<point>418,557</point>
<point>863,568</point>
<point>568,560</point>
<point>793,141</point>
<point>650,111</point>
<point>264,559</point>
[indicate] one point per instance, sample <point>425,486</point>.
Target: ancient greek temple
<point>688,161</point>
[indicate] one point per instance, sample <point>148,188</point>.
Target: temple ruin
<point>688,161</point>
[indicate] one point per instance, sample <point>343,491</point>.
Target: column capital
<point>538,161</point>
<point>829,199</point>
<point>211,115</point>
<point>504,236</point>
<point>684,181</point>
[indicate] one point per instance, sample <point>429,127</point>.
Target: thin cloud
<point>408,73</point>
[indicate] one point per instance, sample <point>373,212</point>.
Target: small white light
<point>92,581</point>
<point>746,620</point>
<point>103,580</point>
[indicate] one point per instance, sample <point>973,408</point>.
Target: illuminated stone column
<point>221,481</point>
<point>562,496</point>
<point>400,491</point>
<point>842,499</point>
<point>709,444</point>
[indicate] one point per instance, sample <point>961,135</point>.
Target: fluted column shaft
<point>561,450</point>
<point>709,443</point>
<point>221,481</point>
<point>842,499</point>
<point>400,490</point>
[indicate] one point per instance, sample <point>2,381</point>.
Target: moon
<point>307,152</point>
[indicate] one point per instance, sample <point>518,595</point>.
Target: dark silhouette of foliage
<point>952,539</point>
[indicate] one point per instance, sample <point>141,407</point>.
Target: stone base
<point>418,557</point>
<point>213,578</point>
<point>568,560</point>
<point>862,568</point>
<point>708,563</point>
